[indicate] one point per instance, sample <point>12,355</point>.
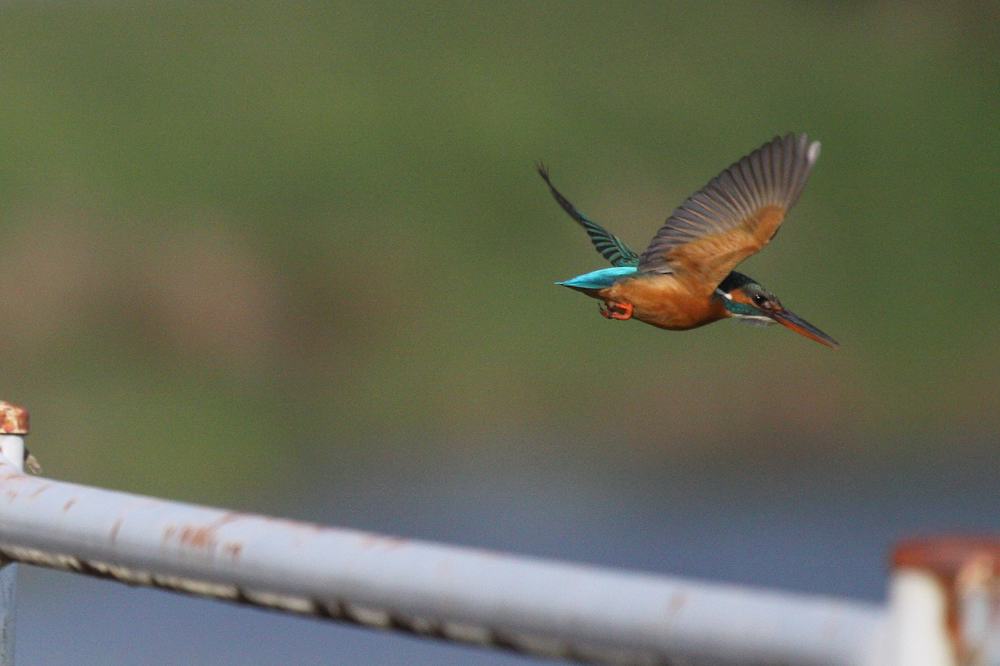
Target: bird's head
<point>748,301</point>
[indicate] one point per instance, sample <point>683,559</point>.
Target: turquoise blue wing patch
<point>599,279</point>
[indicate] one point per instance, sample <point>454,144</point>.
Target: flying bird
<point>685,278</point>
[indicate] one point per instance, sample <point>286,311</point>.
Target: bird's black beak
<point>802,327</point>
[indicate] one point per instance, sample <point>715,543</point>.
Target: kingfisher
<point>685,278</point>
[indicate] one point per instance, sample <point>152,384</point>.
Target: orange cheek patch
<point>740,297</point>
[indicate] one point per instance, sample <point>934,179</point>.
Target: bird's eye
<point>759,299</point>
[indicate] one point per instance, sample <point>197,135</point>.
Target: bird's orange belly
<point>664,301</point>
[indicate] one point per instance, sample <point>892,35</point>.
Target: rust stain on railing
<point>199,537</point>
<point>14,419</point>
<point>967,570</point>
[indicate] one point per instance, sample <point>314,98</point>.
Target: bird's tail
<point>610,246</point>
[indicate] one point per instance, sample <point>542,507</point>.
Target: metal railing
<point>940,613</point>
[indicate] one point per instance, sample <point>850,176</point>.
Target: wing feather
<point>734,215</point>
<point>610,246</point>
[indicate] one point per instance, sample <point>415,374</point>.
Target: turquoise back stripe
<point>599,279</point>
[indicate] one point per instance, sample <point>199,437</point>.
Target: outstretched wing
<point>610,246</point>
<point>734,216</point>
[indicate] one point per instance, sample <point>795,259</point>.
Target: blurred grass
<point>302,232</point>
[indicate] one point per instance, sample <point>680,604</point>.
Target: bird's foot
<point>614,310</point>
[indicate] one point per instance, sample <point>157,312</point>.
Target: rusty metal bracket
<point>13,429</point>
<point>945,601</point>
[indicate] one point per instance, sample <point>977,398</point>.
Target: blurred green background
<point>251,248</point>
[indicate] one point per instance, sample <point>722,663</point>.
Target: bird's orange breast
<point>665,301</point>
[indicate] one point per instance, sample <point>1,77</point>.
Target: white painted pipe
<point>540,607</point>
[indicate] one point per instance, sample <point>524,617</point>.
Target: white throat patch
<point>753,320</point>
